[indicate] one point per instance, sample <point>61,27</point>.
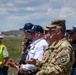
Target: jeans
<point>73,71</point>
<point>4,71</point>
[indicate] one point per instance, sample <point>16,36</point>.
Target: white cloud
<point>30,8</point>
<point>66,11</point>
<point>14,13</point>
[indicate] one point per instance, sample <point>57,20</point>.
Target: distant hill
<point>14,34</point>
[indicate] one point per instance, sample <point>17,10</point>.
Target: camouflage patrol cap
<point>60,23</point>
<point>50,27</point>
<point>45,29</point>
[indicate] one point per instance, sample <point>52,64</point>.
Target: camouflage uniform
<point>58,59</point>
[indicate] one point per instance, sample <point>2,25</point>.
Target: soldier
<point>58,58</point>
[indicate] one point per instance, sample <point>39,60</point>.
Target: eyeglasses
<point>52,30</point>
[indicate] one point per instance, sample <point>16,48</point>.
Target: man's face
<point>53,35</point>
<point>0,39</point>
<point>36,36</point>
<point>27,35</point>
<point>47,35</point>
<point>73,36</point>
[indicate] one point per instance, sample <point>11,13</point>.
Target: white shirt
<point>36,51</point>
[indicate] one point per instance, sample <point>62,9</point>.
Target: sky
<point>15,13</point>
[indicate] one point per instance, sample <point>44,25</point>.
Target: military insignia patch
<point>63,60</point>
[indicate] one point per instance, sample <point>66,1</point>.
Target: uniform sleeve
<point>39,52</point>
<point>38,63</point>
<point>5,52</point>
<point>29,67</point>
<point>61,63</point>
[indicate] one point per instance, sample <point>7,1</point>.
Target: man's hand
<point>12,62</point>
<point>31,61</point>
<point>23,71</point>
<point>37,73</point>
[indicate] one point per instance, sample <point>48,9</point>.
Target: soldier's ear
<point>58,31</point>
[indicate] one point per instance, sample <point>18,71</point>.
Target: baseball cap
<point>45,29</point>
<point>72,30</point>
<point>36,28</point>
<point>27,27</point>
<point>1,36</point>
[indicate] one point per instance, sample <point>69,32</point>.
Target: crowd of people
<point>46,51</point>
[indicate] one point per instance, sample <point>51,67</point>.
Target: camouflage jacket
<point>58,59</point>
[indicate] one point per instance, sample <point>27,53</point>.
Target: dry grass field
<point>14,48</point>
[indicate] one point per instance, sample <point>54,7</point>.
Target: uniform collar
<point>36,41</point>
